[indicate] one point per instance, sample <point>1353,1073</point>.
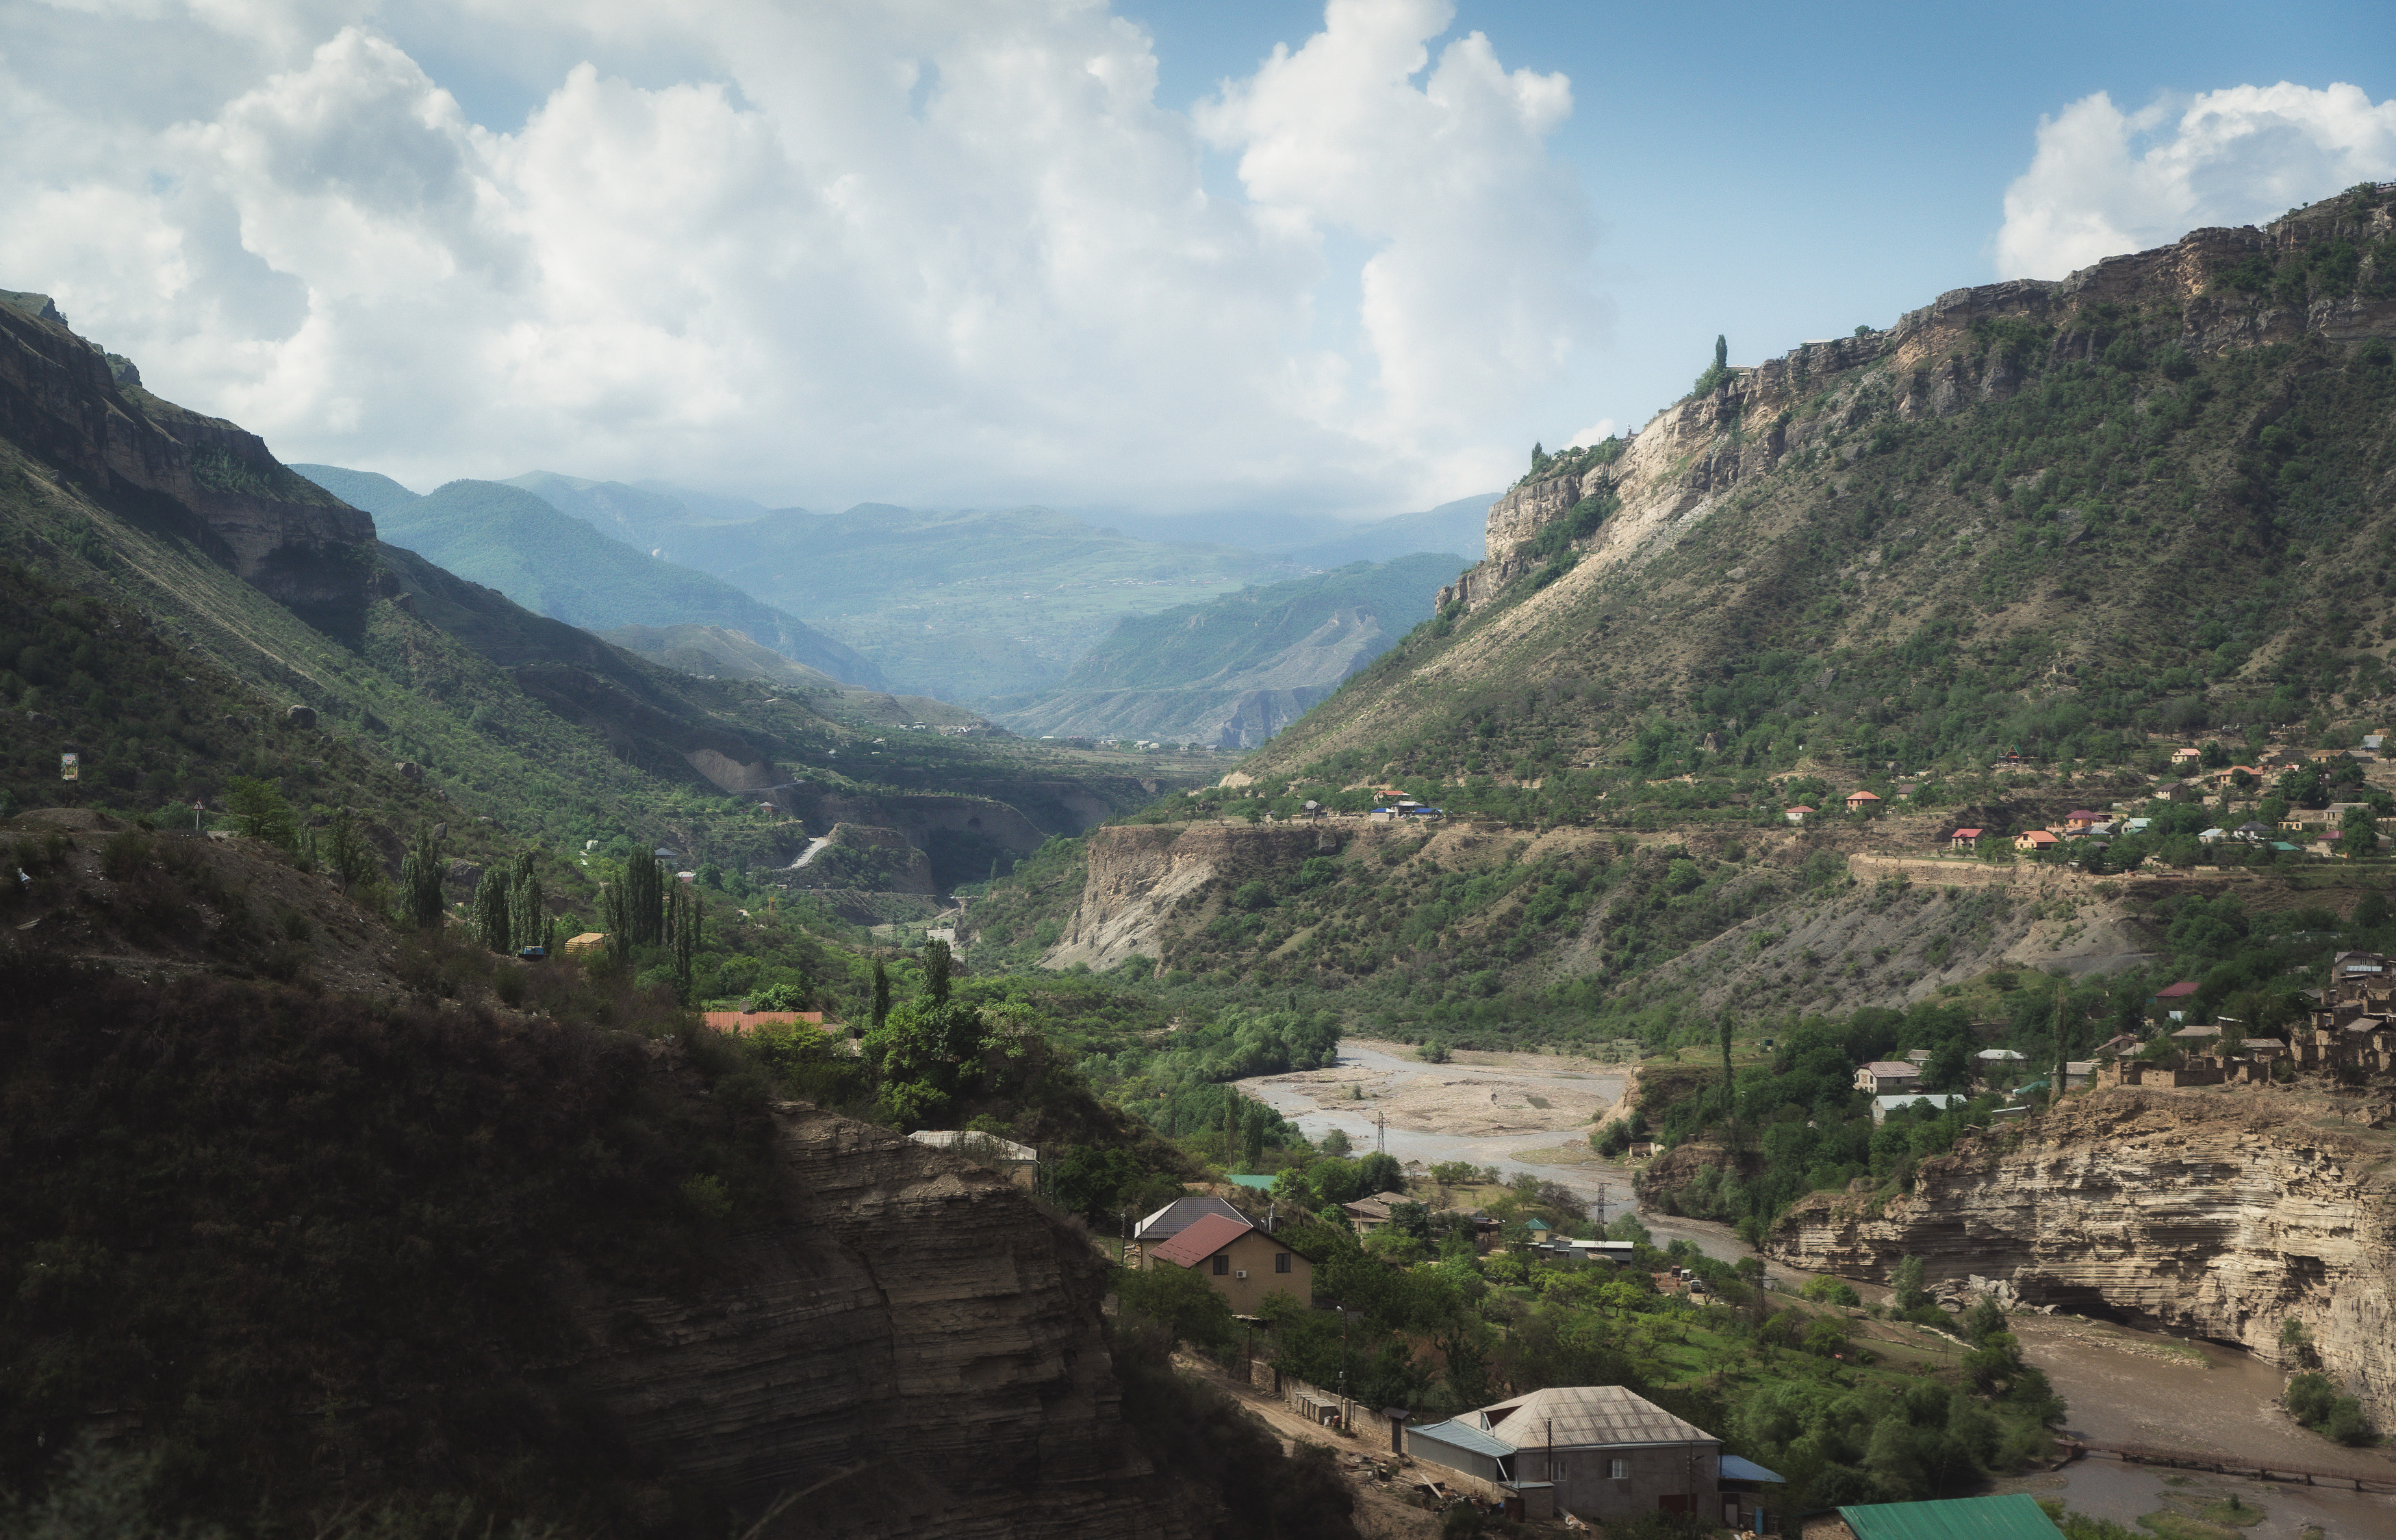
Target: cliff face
<point>1936,362</point>
<point>208,481</point>
<point>915,1347</point>
<point>2222,1212</point>
<point>1140,873</point>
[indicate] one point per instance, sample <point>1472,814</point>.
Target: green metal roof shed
<point>2015,1516</point>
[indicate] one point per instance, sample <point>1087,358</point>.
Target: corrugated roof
<point>1262,1183</point>
<point>1892,1070</point>
<point>1179,1215</point>
<point>1736,1469</point>
<point>2015,1516</point>
<point>1456,1431</point>
<point>1577,1414</point>
<point>1938,1100</point>
<point>1200,1240</point>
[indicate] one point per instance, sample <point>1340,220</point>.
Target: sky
<point>1152,257</point>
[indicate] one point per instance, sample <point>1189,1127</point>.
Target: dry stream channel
<point>1533,1112</point>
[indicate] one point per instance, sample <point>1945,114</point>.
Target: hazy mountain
<point>712,652</point>
<point>563,566</point>
<point>1235,670</point>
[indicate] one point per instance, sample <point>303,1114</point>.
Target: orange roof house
<point>1239,1261</point>
<point>2037,838</point>
<point>1858,800</point>
<point>1797,815</point>
<point>2081,818</point>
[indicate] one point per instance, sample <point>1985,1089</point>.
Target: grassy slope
<point>2132,543</point>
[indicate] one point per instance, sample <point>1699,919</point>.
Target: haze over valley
<point>1415,770</point>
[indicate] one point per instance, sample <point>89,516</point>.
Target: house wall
<point>1253,1252</point>
<point>1657,1471</point>
<point>1433,1452</point>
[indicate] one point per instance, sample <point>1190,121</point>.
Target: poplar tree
<point>881,994</point>
<point>491,909</point>
<point>936,971</point>
<point>419,882</point>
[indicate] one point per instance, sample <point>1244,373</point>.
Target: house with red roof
<point>1798,815</point>
<point>1239,1261</point>
<point>2080,820</point>
<point>1858,801</point>
<point>1965,839</point>
<point>2037,838</point>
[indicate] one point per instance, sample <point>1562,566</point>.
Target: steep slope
<point>560,567</point>
<point>2225,1211</point>
<point>1235,670</point>
<point>2033,514</point>
<point>575,1338</point>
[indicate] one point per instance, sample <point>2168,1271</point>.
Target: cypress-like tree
<point>936,971</point>
<point>419,882</point>
<point>490,908</point>
<point>615,915</point>
<point>1722,353</point>
<point>528,909</point>
<point>881,994</point>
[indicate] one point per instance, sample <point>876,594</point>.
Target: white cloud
<point>951,251</point>
<point>1596,432</point>
<point>2105,182</point>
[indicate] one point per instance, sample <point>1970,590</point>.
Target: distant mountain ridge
<point>561,565</point>
<point>1235,670</point>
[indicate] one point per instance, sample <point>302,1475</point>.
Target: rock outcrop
<point>915,1347</point>
<point>1966,347</point>
<point>2222,1212</point>
<point>209,481</point>
<point>1140,873</point>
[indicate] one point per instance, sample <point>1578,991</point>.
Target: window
<point>1281,1261</point>
<point>1618,1470</point>
<point>1222,1266</point>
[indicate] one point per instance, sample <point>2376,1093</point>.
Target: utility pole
<point>1380,1133</point>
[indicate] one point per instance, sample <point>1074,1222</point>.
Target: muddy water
<point>2127,1387</point>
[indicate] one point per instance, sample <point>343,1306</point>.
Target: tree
<point>490,910</point>
<point>1335,1142</point>
<point>881,994</point>
<point>419,882</point>
<point>1907,1283</point>
<point>1730,1089</point>
<point>1253,1138</point>
<point>936,972</point>
<point>259,812</point>
<point>528,909</point>
<point>349,858</point>
<point>2358,836</point>
<point>1381,1173</point>
<point>1722,353</point>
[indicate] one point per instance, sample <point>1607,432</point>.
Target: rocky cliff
<point>1968,346</point>
<point>912,1345</point>
<point>2222,1212</point>
<point>206,480</point>
<point>1141,874</point>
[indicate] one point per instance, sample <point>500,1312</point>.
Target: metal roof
<point>1736,1469</point>
<point>1201,1239</point>
<point>1577,1415</point>
<point>1262,1183</point>
<point>1461,1433</point>
<point>2015,1516</point>
<point>1179,1215</point>
<point>1938,1100</point>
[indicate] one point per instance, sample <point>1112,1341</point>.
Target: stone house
<point>1239,1261</point>
<point>1370,1213</point>
<point>1965,839</point>
<point>1859,802</point>
<point>1597,1452</point>
<point>1887,1076</point>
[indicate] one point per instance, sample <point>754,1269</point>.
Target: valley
<point>1857,915</point>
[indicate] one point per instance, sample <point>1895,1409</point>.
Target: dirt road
<point>1382,1510</point>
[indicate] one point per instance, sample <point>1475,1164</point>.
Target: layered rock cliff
<point>1141,874</point>
<point>1968,346</point>
<point>914,1346</point>
<point>2222,1212</point>
<point>206,480</point>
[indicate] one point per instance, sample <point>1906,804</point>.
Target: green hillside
<point>1232,671</point>
<point>713,653</point>
<point>2008,556</point>
<point>558,565</point>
